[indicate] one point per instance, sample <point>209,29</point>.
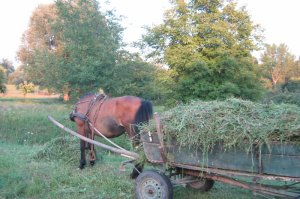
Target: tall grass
<point>26,122</point>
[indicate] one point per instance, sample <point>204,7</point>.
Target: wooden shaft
<point>125,153</point>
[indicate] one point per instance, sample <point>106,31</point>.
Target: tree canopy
<point>76,48</point>
<point>208,45</point>
<point>279,64</point>
<point>73,47</point>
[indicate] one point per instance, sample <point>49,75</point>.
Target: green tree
<point>208,45</point>
<point>132,76</point>
<point>6,69</point>
<point>8,66</point>
<point>17,77</point>
<point>165,85</point>
<point>38,40</point>
<point>26,87</point>
<point>280,65</point>
<point>74,48</point>
<point>2,80</point>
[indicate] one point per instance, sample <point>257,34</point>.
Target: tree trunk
<point>66,97</point>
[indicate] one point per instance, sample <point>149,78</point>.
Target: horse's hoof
<point>81,165</point>
<point>92,162</point>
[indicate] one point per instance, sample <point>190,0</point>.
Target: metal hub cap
<point>151,189</point>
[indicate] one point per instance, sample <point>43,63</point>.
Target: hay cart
<point>192,168</point>
<point>180,166</point>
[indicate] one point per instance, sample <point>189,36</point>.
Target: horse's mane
<point>144,113</point>
<point>86,95</point>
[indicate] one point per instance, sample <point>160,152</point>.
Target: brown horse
<point>110,116</point>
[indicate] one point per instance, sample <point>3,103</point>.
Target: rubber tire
<point>153,184</point>
<point>203,184</point>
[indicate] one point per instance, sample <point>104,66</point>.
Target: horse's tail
<point>144,113</point>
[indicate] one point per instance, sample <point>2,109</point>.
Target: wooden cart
<point>185,166</point>
<point>195,169</point>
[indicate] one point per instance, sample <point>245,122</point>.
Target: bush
<point>284,97</point>
<point>292,86</point>
<point>288,93</point>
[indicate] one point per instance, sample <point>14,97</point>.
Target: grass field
<point>37,160</point>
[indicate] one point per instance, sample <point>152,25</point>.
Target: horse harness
<point>85,117</point>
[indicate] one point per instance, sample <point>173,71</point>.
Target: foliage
<point>8,66</point>
<point>208,44</point>
<point>227,78</point>
<point>234,122</point>
<point>288,93</point>
<point>292,86</point>
<point>280,65</point>
<point>18,76</point>
<point>164,87</point>
<point>36,40</point>
<point>26,87</point>
<point>2,81</point>
<point>284,97</point>
<point>131,76</point>
<point>79,49</point>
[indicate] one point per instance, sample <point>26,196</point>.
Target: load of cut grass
<point>233,123</point>
<point>61,148</point>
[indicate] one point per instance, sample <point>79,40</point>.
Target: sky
<point>279,19</point>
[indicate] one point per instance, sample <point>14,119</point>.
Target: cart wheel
<point>202,184</point>
<point>152,184</point>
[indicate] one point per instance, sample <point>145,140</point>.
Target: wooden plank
<point>282,148</point>
<point>283,160</point>
<point>234,173</point>
<point>217,158</point>
<point>152,152</point>
<point>160,135</point>
<point>283,165</point>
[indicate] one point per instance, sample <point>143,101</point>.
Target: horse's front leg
<point>81,131</point>
<point>82,154</point>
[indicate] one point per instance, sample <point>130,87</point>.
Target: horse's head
<point>84,106</point>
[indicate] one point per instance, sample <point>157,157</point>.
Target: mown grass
<point>38,160</point>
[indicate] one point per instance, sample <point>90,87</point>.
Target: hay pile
<point>63,148</point>
<point>233,122</point>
